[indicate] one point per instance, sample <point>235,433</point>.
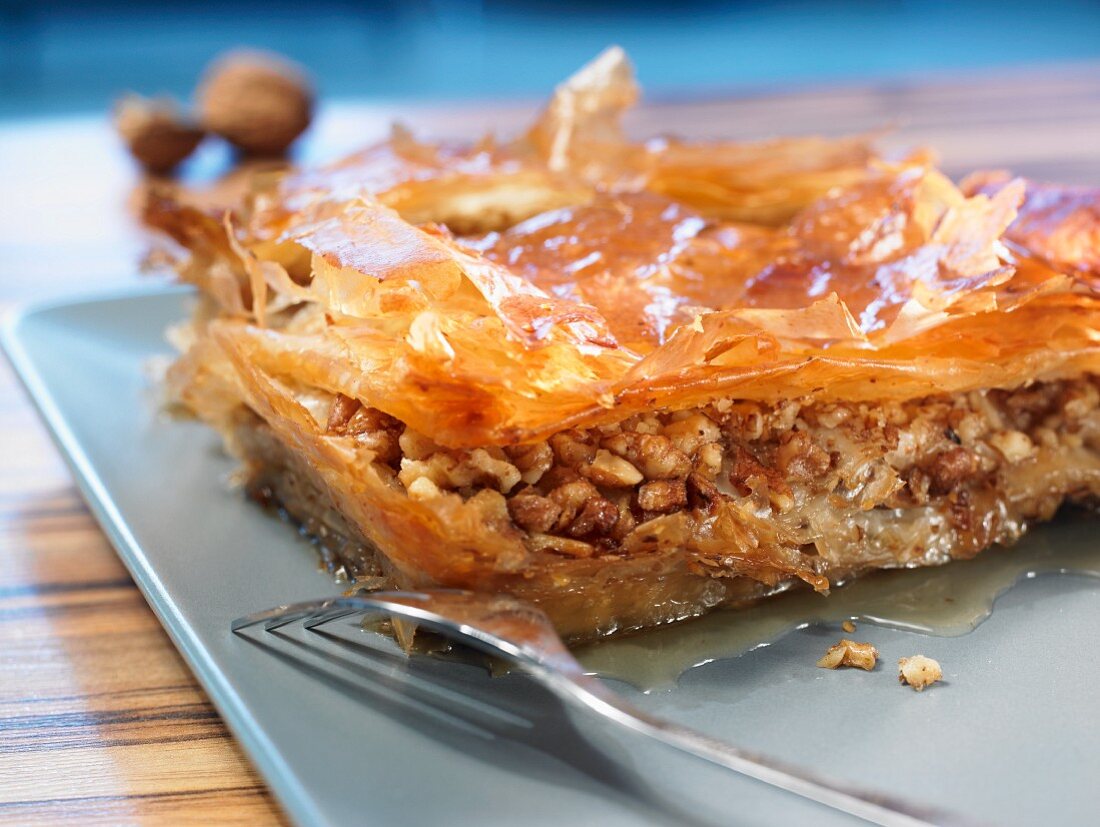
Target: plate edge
<point>263,754</point>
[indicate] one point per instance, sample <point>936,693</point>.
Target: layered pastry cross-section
<point>634,381</point>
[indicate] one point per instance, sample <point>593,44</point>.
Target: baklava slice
<point>631,382</point>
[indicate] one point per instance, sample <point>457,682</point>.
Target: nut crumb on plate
<point>848,626</point>
<point>919,672</point>
<point>849,653</point>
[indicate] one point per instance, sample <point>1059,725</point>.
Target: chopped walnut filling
<point>369,427</point>
<point>919,672</point>
<point>912,482</point>
<point>849,653</point>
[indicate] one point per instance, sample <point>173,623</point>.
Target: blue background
<point>77,56</point>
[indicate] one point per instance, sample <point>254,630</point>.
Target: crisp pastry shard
<point>632,382</point>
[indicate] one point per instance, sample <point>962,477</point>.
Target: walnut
<point>474,468</point>
<point>366,419</point>
<point>583,511</point>
<point>597,517</point>
<point>417,446</point>
<point>919,672</point>
<point>849,653</point>
<point>341,412</point>
<point>534,512</point>
<point>948,468</point>
<point>691,431</point>
<point>798,457</point>
<point>573,448</point>
<point>708,461</point>
<point>556,477</point>
<point>422,488</point>
<point>369,427</point>
<point>626,522</point>
<point>382,444</point>
<point>848,626</point>
<point>487,466</point>
<point>655,456</point>
<point>746,472</point>
<point>532,460</point>
<point>1015,446</point>
<point>662,496</point>
<point>611,471</point>
<point>571,497</point>
<point>155,132</point>
<point>701,492</point>
<point>258,102</point>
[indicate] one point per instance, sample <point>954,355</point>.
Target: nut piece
<point>662,496</point>
<point>848,626</point>
<point>849,653</point>
<point>257,101</point>
<point>654,456</point>
<point>534,512</point>
<point>1016,446</point>
<point>422,488</point>
<point>155,132</point>
<point>611,471</point>
<point>919,672</point>
<point>532,460</point>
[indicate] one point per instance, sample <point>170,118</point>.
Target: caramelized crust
<point>633,381</point>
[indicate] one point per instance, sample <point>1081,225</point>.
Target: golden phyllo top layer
<point>498,292</point>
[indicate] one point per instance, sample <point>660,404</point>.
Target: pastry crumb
<point>849,653</point>
<point>919,672</point>
<point>848,626</point>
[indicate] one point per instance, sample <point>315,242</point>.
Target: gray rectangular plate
<point>1011,737</point>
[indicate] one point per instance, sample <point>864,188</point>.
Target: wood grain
<point>100,720</point>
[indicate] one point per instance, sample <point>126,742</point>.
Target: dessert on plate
<point>634,381</point>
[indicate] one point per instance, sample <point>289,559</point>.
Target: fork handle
<point>870,806</point>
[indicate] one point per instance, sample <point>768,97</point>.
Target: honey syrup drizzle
<point>944,601</point>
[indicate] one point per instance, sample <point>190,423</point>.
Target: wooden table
<point>100,719</point>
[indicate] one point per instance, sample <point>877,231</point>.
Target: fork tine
<point>286,619</point>
<point>322,617</point>
<point>278,616</point>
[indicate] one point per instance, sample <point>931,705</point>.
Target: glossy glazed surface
<point>496,292</point>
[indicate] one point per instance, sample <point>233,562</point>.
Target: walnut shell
<point>257,101</point>
<point>155,132</point>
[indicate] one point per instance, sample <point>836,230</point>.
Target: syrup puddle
<point>945,601</point>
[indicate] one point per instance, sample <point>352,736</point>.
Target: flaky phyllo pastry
<point>632,382</point>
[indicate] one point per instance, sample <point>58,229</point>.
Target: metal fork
<point>522,635</point>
